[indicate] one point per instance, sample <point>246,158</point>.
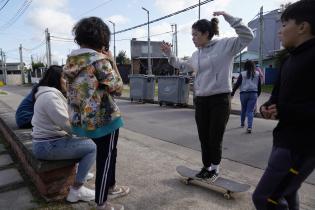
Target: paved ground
<point>148,165</point>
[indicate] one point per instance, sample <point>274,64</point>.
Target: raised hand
<point>218,13</point>
<point>166,48</point>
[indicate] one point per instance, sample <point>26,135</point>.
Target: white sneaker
<point>82,194</point>
<point>110,206</point>
<point>89,176</point>
<point>118,191</point>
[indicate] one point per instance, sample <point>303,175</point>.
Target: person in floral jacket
<point>93,81</point>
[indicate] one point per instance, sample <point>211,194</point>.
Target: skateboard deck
<point>222,184</point>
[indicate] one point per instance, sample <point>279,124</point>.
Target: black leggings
<point>212,114</point>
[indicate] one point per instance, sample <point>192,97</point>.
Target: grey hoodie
<point>213,64</point>
<point>50,117</point>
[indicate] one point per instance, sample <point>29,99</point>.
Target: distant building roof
<point>247,55</point>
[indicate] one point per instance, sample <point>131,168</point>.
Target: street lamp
<point>149,53</point>
<point>114,40</point>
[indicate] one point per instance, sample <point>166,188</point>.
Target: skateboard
<point>228,187</point>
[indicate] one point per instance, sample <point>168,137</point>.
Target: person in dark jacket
<point>249,81</point>
<point>25,111</point>
<point>292,102</point>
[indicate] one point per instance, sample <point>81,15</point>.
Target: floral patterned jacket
<point>92,82</point>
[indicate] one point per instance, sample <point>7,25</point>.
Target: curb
<point>233,111</point>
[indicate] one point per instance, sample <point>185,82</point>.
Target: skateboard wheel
<point>227,196</point>
<point>186,181</point>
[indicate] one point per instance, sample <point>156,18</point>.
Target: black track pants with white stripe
<point>105,165</point>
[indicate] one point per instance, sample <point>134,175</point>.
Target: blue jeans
<point>248,102</point>
<point>278,187</point>
<point>68,148</point>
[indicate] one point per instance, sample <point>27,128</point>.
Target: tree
<point>37,65</point>
<point>122,58</point>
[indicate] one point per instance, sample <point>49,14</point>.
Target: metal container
<point>142,87</point>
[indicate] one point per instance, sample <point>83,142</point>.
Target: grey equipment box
<point>173,90</point>
<point>142,87</point>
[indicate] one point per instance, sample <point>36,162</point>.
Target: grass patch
<point>3,92</point>
<point>266,88</point>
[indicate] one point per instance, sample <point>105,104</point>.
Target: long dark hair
<point>92,32</point>
<point>203,25</point>
<point>51,78</point>
<point>250,69</point>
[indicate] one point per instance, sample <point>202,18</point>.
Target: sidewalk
<point>147,165</point>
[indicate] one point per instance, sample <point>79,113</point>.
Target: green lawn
<point>3,92</point>
<point>127,89</point>
<point>266,88</point>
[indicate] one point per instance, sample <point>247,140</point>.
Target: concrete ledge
<point>51,178</point>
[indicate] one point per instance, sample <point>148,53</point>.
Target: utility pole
<point>199,11</point>
<point>29,75</point>
<point>114,40</point>
<point>149,53</point>
<point>21,64</point>
<point>173,39</point>
<point>3,66</point>
<point>48,49</point>
<point>176,45</point>
<point>261,36</point>
<point>240,62</point>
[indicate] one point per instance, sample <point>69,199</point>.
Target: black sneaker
<point>207,175</point>
<point>202,173</point>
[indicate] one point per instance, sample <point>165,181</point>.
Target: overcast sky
<point>24,22</point>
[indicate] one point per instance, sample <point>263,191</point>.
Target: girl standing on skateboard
<point>212,64</point>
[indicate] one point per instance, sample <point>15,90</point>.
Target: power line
<point>4,5</point>
<point>167,16</point>
<point>17,15</point>
<point>126,39</point>
<point>36,47</point>
<point>62,38</point>
<point>94,8</point>
<point>65,39</point>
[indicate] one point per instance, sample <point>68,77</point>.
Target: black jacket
<point>294,96</point>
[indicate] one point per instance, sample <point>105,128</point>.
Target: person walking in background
<point>292,102</point>
<point>212,63</point>
<point>52,136</point>
<point>249,81</point>
<point>93,80</point>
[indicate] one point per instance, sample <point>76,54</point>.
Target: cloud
<point>55,21</point>
<point>166,7</point>
<point>52,15</point>
<point>52,4</point>
<point>279,2</point>
<point>218,5</point>
<point>139,32</point>
<point>118,19</point>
